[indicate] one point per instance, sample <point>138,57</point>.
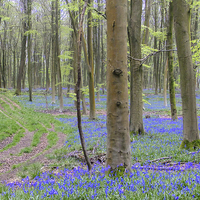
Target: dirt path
<point>9,158</point>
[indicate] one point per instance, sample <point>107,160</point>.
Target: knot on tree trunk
<point>117,72</point>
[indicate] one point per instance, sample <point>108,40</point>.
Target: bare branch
<point>143,60</point>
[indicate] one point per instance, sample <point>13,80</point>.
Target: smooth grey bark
<point>182,33</point>
<point>118,136</point>
<point>91,64</point>
<point>136,90</point>
<point>29,5</point>
<point>23,53</point>
<point>57,61</point>
<point>170,55</point>
<point>53,61</point>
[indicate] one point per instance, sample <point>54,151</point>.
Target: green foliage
<point>31,32</point>
<point>147,66</point>
<point>195,4</point>
<point>72,95</point>
<point>145,100</point>
<point>118,172</point>
<point>31,170</point>
<point>146,50</point>
<point>26,150</point>
<point>4,18</point>
<point>66,55</point>
<point>195,46</point>
<point>85,90</point>
<point>35,170</point>
<point>161,35</point>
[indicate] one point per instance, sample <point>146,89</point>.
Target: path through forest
<point>11,156</point>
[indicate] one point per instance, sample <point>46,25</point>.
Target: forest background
<point>39,50</point>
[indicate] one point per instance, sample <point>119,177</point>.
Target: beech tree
<point>91,64</point>
<point>23,50</point>
<point>136,104</point>
<point>182,33</point>
<point>171,63</point>
<point>29,2</point>
<point>118,137</point>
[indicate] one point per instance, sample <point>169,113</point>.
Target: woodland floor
<point>10,157</point>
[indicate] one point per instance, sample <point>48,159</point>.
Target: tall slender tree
<point>136,104</point>
<point>118,139</point>
<point>54,57</point>
<point>182,33</point>
<point>91,63</point>
<point>29,4</point>
<point>23,50</point>
<point>79,41</point>
<point>57,58</point>
<point>170,63</point>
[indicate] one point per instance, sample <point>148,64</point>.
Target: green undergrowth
<point>31,170</point>
<point>16,139</point>
<point>7,127</point>
<point>52,139</point>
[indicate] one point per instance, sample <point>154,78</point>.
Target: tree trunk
<point>14,68</point>
<point>171,63</point>
<point>98,56</point>
<point>74,62</point>
<point>182,32</point>
<point>145,38</point>
<point>4,68</point>
<point>155,60</point>
<point>91,63</point>
<point>23,53</point>
<point>60,93</point>
<point>22,65</point>
<point>136,104</point>
<point>118,139</point>
<point>53,67</point>
<point>79,41</point>
<point>102,59</point>
<point>165,83</point>
<point>29,51</point>
<point>4,59</point>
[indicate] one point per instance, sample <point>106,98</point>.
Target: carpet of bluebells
<point>148,180</point>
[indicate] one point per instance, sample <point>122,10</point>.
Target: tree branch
<point>98,12</point>
<point>143,60</point>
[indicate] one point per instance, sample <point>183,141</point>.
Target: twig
<point>167,158</point>
<point>100,13</point>
<point>194,152</point>
<point>143,60</point>
<point>163,158</point>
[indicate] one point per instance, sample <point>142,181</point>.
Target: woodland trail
<point>10,159</point>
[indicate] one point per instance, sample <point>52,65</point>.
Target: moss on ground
<point>185,144</point>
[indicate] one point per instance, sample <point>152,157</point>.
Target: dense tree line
<point>137,49</point>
